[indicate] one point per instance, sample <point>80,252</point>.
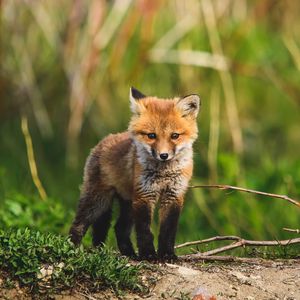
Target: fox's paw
<point>168,257</point>
<point>148,256</point>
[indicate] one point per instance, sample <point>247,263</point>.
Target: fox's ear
<point>135,94</point>
<point>134,97</point>
<point>189,106</point>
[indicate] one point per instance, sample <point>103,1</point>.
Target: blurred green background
<point>66,67</point>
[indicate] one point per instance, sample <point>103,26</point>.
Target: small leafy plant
<point>37,260</point>
<point>19,211</point>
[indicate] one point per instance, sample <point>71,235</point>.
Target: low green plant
<point>20,211</point>
<point>28,255</point>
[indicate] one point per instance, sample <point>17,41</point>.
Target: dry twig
<point>213,239</point>
<point>31,159</point>
<point>239,243</point>
<point>292,230</point>
<point>236,188</point>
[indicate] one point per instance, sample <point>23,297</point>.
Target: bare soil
<point>258,279</point>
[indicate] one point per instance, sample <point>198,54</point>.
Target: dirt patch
<point>185,280</point>
<point>230,281</point>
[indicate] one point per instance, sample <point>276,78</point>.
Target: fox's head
<point>164,128</point>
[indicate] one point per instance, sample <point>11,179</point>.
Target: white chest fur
<point>157,177</point>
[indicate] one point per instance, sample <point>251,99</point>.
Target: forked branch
<point>213,239</point>
<point>239,243</point>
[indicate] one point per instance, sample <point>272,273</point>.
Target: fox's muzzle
<point>164,156</point>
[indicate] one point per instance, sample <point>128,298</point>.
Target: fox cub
<point>152,161</point>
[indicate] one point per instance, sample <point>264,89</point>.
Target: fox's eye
<point>151,136</point>
<point>174,136</point>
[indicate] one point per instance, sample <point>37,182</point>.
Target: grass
<point>26,254</point>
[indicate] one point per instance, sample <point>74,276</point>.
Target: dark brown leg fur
<point>81,223</point>
<point>142,216</point>
<point>101,227</point>
<point>169,215</point>
<point>123,228</point>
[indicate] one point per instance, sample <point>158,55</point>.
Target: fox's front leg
<point>170,209</point>
<point>142,211</point>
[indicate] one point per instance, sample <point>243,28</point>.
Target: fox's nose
<point>164,156</point>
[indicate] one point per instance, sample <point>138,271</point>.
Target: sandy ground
<point>230,281</point>
<point>193,280</point>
